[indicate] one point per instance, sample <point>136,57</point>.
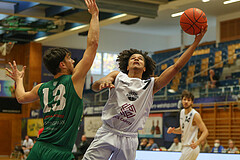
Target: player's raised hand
<point>92,6</point>
<point>170,130</point>
<point>15,74</point>
<point>107,84</point>
<point>199,36</point>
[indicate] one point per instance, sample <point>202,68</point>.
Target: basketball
<point>192,21</point>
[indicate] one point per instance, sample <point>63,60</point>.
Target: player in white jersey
<point>129,103</point>
<point>190,122</point>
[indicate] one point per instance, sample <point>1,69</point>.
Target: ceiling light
<point>177,14</point>
<point>171,91</point>
<point>230,1</point>
<point>205,0</point>
<point>41,38</point>
<point>77,28</point>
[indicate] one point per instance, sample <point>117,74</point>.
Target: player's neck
<point>135,74</point>
<point>60,74</point>
<point>188,110</point>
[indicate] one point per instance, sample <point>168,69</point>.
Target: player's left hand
<point>107,84</point>
<point>92,6</point>
<point>194,145</point>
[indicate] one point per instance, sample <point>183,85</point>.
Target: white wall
<point>114,41</point>
<point>72,41</point>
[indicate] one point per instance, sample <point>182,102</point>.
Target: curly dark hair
<point>124,56</point>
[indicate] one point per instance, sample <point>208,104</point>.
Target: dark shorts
<point>47,151</point>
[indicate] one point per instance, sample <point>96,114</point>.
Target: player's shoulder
<point>194,111</point>
<point>182,111</point>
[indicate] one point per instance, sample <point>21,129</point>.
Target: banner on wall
<point>7,88</point>
<point>153,127</point>
<point>91,125</point>
<point>7,85</point>
<point>10,105</point>
<point>33,126</point>
<point>165,105</point>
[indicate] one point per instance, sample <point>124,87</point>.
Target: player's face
<point>176,140</point>
<point>136,61</point>
<point>187,102</point>
<point>69,63</point>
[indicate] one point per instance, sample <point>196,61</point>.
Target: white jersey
<point>189,132</point>
<point>129,103</point>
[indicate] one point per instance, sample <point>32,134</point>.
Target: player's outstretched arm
<point>21,95</point>
<point>81,69</point>
<point>105,82</point>
<point>174,130</point>
<point>198,120</point>
<point>171,71</point>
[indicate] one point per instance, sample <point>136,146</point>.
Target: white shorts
<point>109,142</point>
<point>189,154</point>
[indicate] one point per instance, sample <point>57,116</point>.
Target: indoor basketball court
<point>124,80</point>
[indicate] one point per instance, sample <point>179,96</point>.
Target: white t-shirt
<point>28,143</point>
<point>189,132</point>
<point>175,147</point>
<point>129,103</point>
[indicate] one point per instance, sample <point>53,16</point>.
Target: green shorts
<point>47,151</point>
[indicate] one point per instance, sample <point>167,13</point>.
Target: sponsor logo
<point>123,120</point>
<point>132,96</point>
<point>128,110</point>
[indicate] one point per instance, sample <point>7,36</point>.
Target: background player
<point>190,122</point>
<point>129,102</point>
<point>60,98</point>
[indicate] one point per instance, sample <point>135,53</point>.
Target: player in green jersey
<point>60,98</point>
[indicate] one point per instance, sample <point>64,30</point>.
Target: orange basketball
<point>192,21</point>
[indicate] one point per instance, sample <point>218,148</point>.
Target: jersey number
<point>60,97</point>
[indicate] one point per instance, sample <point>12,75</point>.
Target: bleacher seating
<point>195,72</point>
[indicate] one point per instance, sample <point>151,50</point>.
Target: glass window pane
<point>97,64</point>
<point>109,63</point>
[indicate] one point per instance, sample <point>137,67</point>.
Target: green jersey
<point>62,112</point>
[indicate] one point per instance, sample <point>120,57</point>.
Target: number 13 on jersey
<point>60,97</point>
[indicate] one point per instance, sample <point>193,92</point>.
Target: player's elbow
<point>93,43</point>
<point>21,100</point>
<point>207,133</point>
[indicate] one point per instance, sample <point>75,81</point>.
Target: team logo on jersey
<point>128,110</point>
<point>132,96</point>
<point>147,83</point>
<point>55,83</point>
<point>187,119</point>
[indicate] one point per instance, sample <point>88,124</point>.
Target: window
<point>109,63</point>
<point>97,64</point>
